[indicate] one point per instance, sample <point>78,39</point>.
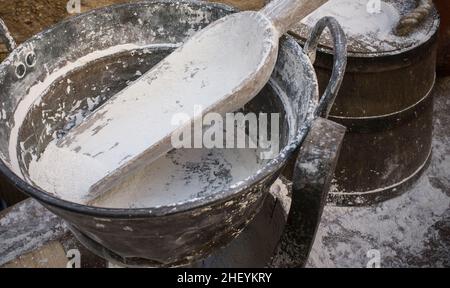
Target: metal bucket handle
<point>413,19</point>
<point>6,37</point>
<point>29,59</point>
<point>340,60</point>
<point>316,160</point>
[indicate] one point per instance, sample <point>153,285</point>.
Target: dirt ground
<point>25,18</point>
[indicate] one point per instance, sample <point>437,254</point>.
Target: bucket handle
<point>316,161</point>
<point>340,60</point>
<point>313,171</point>
<point>6,37</point>
<point>413,19</point>
<point>29,57</point>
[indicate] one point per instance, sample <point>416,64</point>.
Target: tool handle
<point>6,38</point>
<point>285,13</point>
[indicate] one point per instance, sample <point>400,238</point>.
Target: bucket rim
<point>274,165</point>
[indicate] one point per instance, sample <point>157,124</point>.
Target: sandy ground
<point>410,231</point>
<point>25,18</point>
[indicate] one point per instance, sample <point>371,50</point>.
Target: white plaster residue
<point>201,73</point>
<point>40,88</point>
<point>386,225</point>
<point>69,171</point>
<point>3,114</point>
<point>373,32</point>
<point>177,177</point>
<point>356,20</point>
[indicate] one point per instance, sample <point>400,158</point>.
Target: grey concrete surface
<point>412,230</point>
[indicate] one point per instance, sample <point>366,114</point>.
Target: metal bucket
<point>172,235</point>
<point>386,104</point>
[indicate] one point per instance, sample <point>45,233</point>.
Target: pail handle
<point>413,19</point>
<point>313,171</point>
<point>6,37</point>
<point>316,160</point>
<point>340,60</point>
<point>29,57</point>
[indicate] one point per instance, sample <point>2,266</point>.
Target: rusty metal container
<point>385,100</point>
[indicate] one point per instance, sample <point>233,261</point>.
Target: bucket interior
<point>104,51</point>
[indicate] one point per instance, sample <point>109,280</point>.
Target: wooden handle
<point>285,13</point>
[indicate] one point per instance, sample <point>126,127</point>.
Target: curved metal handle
<point>340,60</point>
<point>313,172</point>
<point>6,37</point>
<point>29,58</point>
<point>412,20</point>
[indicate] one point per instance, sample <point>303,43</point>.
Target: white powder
<point>65,173</point>
<point>41,88</point>
<point>140,115</point>
<point>366,31</point>
<point>174,178</point>
<point>200,74</point>
<point>401,224</point>
<point>410,230</point>
<point>184,175</point>
<point>355,18</point>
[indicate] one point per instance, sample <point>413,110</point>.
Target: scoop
<point>219,69</point>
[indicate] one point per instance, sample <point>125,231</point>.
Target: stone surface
<point>51,255</point>
<point>26,227</point>
<point>412,230</point>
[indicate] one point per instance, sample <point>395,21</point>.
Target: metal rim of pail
<point>231,192</point>
<point>224,196</point>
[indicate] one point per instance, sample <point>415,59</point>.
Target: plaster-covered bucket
<point>168,235</point>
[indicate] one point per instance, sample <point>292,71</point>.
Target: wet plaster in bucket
<point>38,162</point>
<point>39,89</point>
<point>181,175</point>
<point>215,73</point>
